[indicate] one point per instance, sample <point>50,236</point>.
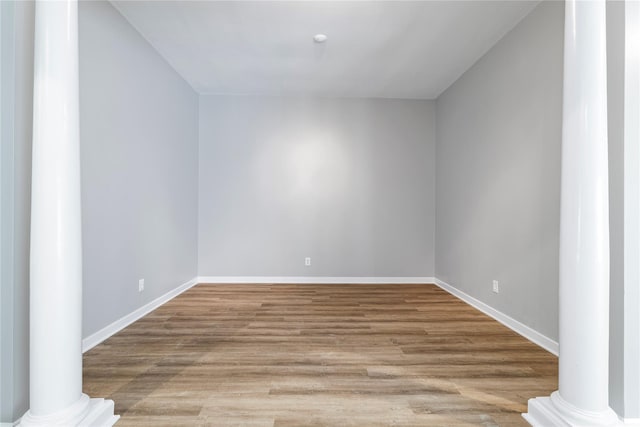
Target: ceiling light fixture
<point>320,38</point>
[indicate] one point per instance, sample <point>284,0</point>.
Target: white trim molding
<point>314,280</point>
<point>520,328</point>
<point>96,338</point>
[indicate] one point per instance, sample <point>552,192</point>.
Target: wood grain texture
<point>318,355</point>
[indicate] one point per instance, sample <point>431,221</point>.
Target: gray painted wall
<point>632,211</point>
<point>498,173</point>
<point>615,75</point>
<point>347,182</point>
<point>17,116</point>
<point>369,211</point>
<point>139,147</point>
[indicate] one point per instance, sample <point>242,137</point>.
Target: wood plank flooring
<point>318,355</point>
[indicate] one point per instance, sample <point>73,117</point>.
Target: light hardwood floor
<point>318,355</point>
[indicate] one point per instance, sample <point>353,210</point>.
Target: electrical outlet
<point>140,285</point>
<point>496,286</point>
<point>307,261</point>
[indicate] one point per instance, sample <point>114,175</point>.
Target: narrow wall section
<point>498,173</point>
<point>17,114</point>
<point>139,147</point>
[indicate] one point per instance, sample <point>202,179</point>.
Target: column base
<point>555,411</point>
<point>85,412</point>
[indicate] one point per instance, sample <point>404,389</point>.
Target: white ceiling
<point>387,49</point>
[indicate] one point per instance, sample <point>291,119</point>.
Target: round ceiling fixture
<point>320,38</point>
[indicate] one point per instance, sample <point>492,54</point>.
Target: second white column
<point>582,398</point>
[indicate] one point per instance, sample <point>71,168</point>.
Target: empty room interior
<point>320,213</point>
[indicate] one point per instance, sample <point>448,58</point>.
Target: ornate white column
<point>583,395</point>
<point>56,396</point>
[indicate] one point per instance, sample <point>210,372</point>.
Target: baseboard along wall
<point>320,280</point>
<point>520,328</point>
<point>96,338</point>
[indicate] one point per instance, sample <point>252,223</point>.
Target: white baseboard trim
<point>314,280</point>
<point>96,338</point>
<point>520,328</point>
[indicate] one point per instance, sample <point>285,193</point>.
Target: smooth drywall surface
<point>498,173</point>
<point>615,92</point>
<point>139,142</point>
<point>346,182</point>
<point>17,114</point>
<point>632,211</point>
